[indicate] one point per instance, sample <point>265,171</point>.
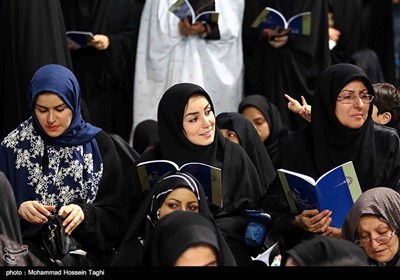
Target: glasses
<point>350,97</point>
<point>381,239</point>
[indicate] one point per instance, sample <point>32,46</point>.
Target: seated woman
<point>174,191</point>
<point>268,122</point>
<point>185,239</point>
<point>324,251</point>
<point>188,133</point>
<point>374,223</point>
<point>237,128</point>
<point>59,164</point>
<point>341,130</point>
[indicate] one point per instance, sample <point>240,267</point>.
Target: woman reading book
<point>188,133</point>
<point>342,130</point>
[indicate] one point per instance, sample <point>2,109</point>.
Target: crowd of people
<point>222,93</point>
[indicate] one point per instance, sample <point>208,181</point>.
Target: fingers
<point>303,101</point>
<point>34,212</point>
<point>73,216</point>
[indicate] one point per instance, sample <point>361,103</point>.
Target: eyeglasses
<point>350,97</point>
<point>381,239</point>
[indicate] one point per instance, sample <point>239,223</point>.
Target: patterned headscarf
<point>381,202</point>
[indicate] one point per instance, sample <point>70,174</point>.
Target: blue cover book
<point>336,190</point>
<point>79,38</point>
<point>183,9</point>
<point>209,176</point>
<point>270,18</point>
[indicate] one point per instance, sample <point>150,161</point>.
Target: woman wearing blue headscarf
<point>59,164</point>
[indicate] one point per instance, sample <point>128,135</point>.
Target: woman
<point>185,239</point>
<point>239,129</point>
<point>325,251</point>
<point>187,133</point>
<point>68,167</point>
<point>374,223</point>
<point>171,51</point>
<point>268,122</point>
<point>174,191</point>
<point>342,130</point>
<point>105,69</point>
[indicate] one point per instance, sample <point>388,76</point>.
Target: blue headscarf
<point>60,80</point>
<point>53,170</point>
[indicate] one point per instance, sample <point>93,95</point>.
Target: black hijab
<point>333,143</point>
<point>326,251</point>
<point>273,117</point>
<point>325,143</point>
<point>241,185</point>
<point>131,251</point>
<point>179,231</point>
<point>251,143</point>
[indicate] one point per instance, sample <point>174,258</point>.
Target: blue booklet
<point>210,177</point>
<point>183,9</point>
<point>270,18</point>
<point>79,39</point>
<point>336,190</point>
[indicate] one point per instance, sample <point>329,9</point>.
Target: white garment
<point>164,58</point>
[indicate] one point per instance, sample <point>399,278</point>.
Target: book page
<point>183,9</point>
<point>270,18</point>
<point>300,24</point>
<point>303,176</point>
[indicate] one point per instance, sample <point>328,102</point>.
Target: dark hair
<point>387,99</point>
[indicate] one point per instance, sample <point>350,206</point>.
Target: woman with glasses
<point>341,130</point>
<point>374,223</point>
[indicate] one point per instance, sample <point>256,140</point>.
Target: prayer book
<point>79,39</point>
<point>270,18</point>
<point>210,177</point>
<point>183,9</point>
<point>336,190</point>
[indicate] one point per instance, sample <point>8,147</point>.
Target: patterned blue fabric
<point>54,171</point>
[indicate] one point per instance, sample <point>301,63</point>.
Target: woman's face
<point>370,227</point>
<point>199,255</point>
<point>230,135</point>
<point>258,120</point>
<point>179,199</point>
<point>352,115</point>
<point>199,121</point>
<point>53,114</point>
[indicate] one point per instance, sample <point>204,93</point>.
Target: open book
<point>79,39</point>
<point>183,9</point>
<point>209,176</point>
<point>336,190</point>
<point>270,18</point>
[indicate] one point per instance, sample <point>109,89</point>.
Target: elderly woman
<point>374,223</point>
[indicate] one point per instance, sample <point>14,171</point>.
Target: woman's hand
<point>303,110</point>
<point>198,28</point>
<point>34,212</point>
<point>276,38</point>
<point>100,42</point>
<point>72,215</point>
<point>314,221</point>
<point>334,232</point>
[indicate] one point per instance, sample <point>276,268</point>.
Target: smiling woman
<point>188,133</point>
